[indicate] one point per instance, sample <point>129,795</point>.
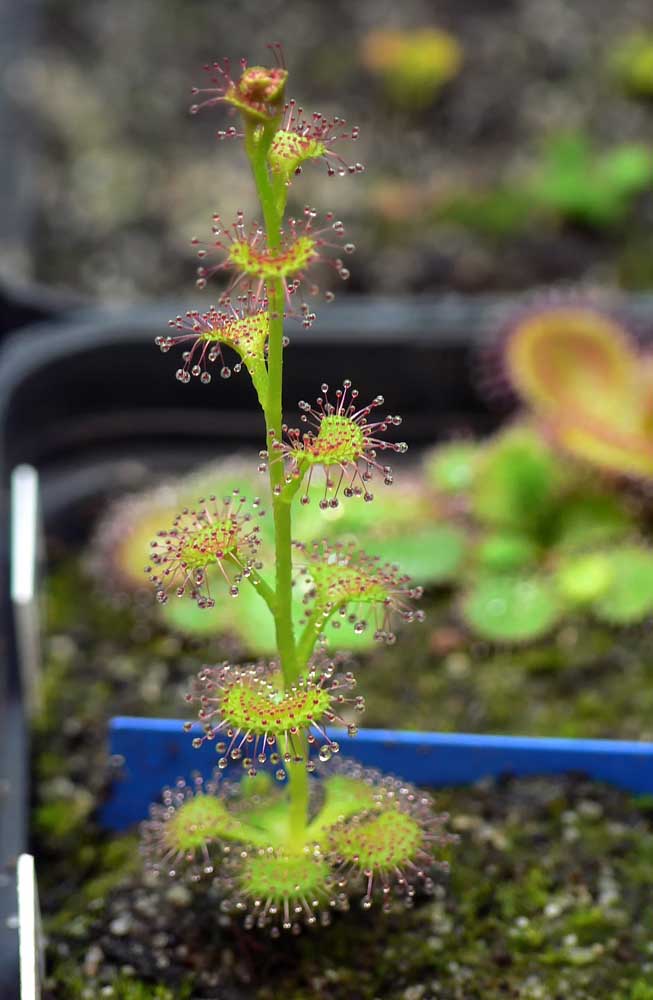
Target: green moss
<point>67,975</point>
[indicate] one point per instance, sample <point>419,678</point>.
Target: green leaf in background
<point>584,578</point>
<point>629,597</point>
<point>583,185</point>
<point>517,479</point>
<point>451,467</point>
<point>503,552</point>
<point>432,555</point>
<point>592,519</point>
<point>511,609</point>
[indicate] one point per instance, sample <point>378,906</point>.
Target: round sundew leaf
<point>280,877</point>
<point>429,556</point>
<point>628,599</point>
<point>511,608</point>
<point>579,371</point>
<point>254,719</point>
<point>590,519</point>
<point>517,480</point>
<point>136,524</point>
<point>338,583</point>
<point>451,467</point>
<point>247,708</point>
<point>223,478</point>
<point>584,578</point>
<point>381,843</point>
<point>502,552</point>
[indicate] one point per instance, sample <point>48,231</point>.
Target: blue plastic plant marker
<point>157,751</point>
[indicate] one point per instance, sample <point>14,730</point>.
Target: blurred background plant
<point>527,132</point>
<point>543,522</point>
<point>413,65</point>
<point>631,62</point>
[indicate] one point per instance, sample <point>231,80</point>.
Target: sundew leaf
<point>154,512</point>
<point>234,474</point>
<point>624,447</point>
<point>573,358</point>
<point>511,608</point>
<point>629,597</point>
<point>586,380</point>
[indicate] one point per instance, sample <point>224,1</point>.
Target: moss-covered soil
<point>552,883</point>
<point>549,897</point>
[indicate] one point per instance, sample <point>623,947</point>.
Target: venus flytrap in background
<point>588,384</point>
<point>553,506</point>
<point>298,849</point>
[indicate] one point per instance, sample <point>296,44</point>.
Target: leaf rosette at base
<point>256,722</point>
<point>214,534</point>
<point>370,837</point>
<point>359,588</point>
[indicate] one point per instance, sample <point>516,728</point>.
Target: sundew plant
<point>289,851</point>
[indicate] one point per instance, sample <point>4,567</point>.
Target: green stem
<point>299,797</point>
<point>272,196</point>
